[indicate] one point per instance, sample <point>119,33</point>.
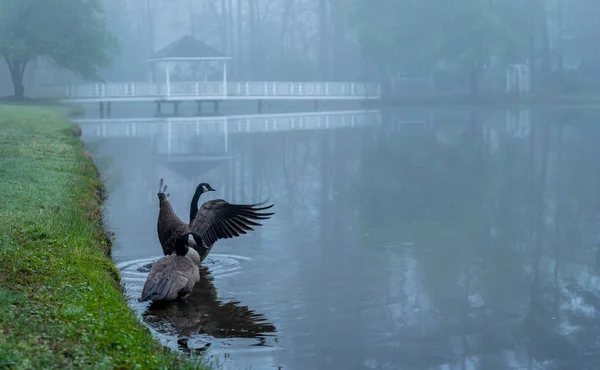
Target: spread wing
<point>219,219</point>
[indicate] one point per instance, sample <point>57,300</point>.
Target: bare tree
<point>323,40</point>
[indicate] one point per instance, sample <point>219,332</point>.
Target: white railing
<point>228,124</point>
<point>132,90</point>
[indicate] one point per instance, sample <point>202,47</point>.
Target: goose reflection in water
<point>203,313</point>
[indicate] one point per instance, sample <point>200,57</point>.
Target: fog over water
<point>403,238</point>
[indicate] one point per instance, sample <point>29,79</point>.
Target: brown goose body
<point>173,276</point>
<point>214,220</point>
<point>169,225</point>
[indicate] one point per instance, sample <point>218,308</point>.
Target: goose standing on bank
<point>215,219</point>
<point>174,276</point>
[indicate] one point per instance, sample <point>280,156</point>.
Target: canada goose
<point>175,275</point>
<point>169,225</point>
<point>215,219</point>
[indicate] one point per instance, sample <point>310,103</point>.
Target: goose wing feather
<point>219,219</point>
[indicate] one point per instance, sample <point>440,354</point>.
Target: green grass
<point>61,304</point>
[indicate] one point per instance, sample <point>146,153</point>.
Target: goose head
<point>183,244</point>
<point>203,187</point>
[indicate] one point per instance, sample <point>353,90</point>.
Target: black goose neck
<point>194,204</point>
<point>181,247</point>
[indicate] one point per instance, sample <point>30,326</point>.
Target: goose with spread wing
<point>215,219</point>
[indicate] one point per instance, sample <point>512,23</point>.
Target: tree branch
<point>8,62</point>
<point>220,20</point>
<point>25,13</point>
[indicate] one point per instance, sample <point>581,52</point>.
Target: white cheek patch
<point>204,188</point>
<point>192,241</point>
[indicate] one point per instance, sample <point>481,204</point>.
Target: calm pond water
<point>455,238</point>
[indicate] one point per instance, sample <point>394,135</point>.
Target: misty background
<point>428,237</point>
<point>410,46</point>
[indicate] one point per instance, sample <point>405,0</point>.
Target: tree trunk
<point>559,39</point>
<point>546,63</point>
<point>323,41</point>
<point>149,29</point>
<point>285,23</point>
<point>221,18</point>
<point>240,42</point>
<point>17,70</point>
<point>224,28</point>
<point>230,29</point>
<point>192,18</point>
<point>253,42</point>
<point>337,66</point>
<point>535,57</point>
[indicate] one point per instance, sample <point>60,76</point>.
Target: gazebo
<point>187,49</point>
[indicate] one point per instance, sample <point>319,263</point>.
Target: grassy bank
<point>61,305</point>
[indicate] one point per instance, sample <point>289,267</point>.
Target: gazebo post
<point>168,77</point>
<point>224,77</point>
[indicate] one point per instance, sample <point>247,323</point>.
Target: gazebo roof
<point>188,48</point>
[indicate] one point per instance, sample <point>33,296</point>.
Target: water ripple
<point>220,265</point>
<point>202,317</point>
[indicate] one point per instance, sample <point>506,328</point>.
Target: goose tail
<point>162,191</point>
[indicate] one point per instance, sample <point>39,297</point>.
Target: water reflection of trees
<point>305,173</point>
<point>505,240</point>
<point>448,241</point>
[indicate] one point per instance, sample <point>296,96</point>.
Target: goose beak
<point>210,188</point>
